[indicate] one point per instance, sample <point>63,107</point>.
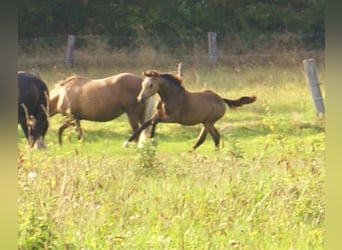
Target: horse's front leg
<point>138,131</point>
<point>154,124</point>
<point>163,119</point>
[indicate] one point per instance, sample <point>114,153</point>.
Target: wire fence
<point>104,50</point>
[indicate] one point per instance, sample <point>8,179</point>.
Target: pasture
<point>264,188</point>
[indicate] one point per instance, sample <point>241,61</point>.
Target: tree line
<point>183,20</point>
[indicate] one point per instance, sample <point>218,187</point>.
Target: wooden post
<point>180,69</point>
<point>212,49</point>
<point>312,80</point>
<point>69,49</point>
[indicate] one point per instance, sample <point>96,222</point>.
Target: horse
<point>100,100</point>
<point>33,97</point>
<point>178,105</point>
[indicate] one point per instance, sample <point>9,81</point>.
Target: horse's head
<point>149,86</point>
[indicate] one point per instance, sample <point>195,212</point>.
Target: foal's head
<point>152,81</point>
<point>149,85</point>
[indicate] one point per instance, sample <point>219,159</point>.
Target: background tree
<point>183,19</point>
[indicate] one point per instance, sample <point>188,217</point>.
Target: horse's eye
<point>150,85</point>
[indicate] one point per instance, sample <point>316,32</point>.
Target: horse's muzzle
<point>140,99</point>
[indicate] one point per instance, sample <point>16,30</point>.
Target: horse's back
<point>127,81</point>
<point>119,86</point>
<point>203,106</point>
<point>101,99</point>
<point>127,76</point>
<point>32,91</point>
<point>130,84</point>
<point>80,82</point>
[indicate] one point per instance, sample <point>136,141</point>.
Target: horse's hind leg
<point>201,137</point>
<point>216,136</point>
<point>137,132</point>
<point>61,129</point>
<point>153,129</point>
<point>78,129</point>
<point>66,125</point>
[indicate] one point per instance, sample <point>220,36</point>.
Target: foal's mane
<point>177,81</point>
<point>173,79</point>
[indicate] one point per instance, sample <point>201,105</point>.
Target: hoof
<point>192,150</point>
<point>125,144</point>
<point>153,141</point>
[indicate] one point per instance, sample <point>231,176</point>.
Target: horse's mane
<point>69,80</point>
<point>176,80</point>
<point>173,79</point>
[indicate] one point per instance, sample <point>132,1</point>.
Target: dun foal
<point>178,105</point>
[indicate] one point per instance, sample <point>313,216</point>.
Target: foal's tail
<point>233,104</point>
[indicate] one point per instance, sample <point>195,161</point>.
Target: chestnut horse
<point>100,100</point>
<point>186,108</point>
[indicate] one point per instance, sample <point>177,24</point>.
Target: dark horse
<point>33,96</point>
<point>181,106</point>
<point>101,100</point>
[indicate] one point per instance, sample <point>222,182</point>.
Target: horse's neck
<point>169,91</point>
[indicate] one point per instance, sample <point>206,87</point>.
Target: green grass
<point>264,188</point>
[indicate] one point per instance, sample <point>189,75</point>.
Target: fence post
<point>212,48</point>
<point>180,69</point>
<point>69,49</point>
<point>312,80</point>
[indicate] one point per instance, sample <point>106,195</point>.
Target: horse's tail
<point>150,107</point>
<point>233,104</point>
<point>53,101</point>
<point>58,101</point>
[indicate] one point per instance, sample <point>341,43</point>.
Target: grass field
<point>264,188</point>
